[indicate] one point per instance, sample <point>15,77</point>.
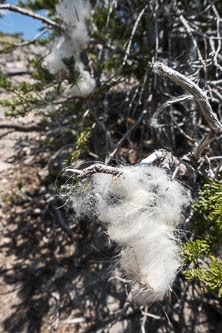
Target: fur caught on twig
<point>141,210</point>
<point>75,39</point>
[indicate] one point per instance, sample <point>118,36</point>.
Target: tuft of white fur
<point>85,84</point>
<point>74,14</point>
<point>141,209</point>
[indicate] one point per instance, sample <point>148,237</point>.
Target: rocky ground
<point>57,275</point>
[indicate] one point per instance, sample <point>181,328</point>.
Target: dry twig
<point>96,168</point>
<point>179,99</point>
<point>133,33</point>
<point>21,127</point>
<point>200,97</point>
<point>193,89</point>
<point>33,15</point>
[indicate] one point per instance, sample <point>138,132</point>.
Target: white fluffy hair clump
<point>141,209</point>
<point>74,14</point>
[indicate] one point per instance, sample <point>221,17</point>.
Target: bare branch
<point>73,321</point>
<point>105,130</point>
<point>190,33</point>
<point>28,42</point>
<point>165,159</point>
<point>203,143</point>
<point>33,15</point>
<point>61,219</point>
<point>161,158</point>
<point>193,89</point>
<point>180,99</point>
<point>127,134</point>
<point>96,168</point>
<point>133,33</point>
<point>21,127</point>
<point>148,314</point>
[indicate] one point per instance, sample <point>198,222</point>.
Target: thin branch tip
<point>32,14</point>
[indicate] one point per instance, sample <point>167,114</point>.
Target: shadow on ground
<point>61,272</point>
<point>62,279</point>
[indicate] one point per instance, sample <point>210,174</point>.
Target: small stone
<point>37,211</point>
<point>29,160</point>
<point>42,190</point>
<point>11,159</point>
<point>27,150</point>
<point>4,166</point>
<point>44,173</point>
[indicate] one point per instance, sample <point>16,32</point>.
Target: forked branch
<point>200,97</point>
<point>160,158</point>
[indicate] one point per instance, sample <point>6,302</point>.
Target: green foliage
<point>5,83</point>
<point>81,143</point>
<point>40,73</point>
<point>16,34</point>
<point>198,248</point>
<point>10,198</point>
<point>6,46</point>
<point>38,4</point>
<point>210,275</point>
<point>26,97</point>
<point>208,210</point>
<point>201,252</point>
<point>72,74</point>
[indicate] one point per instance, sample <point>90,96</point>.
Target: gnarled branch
<point>96,168</point>
<point>193,89</point>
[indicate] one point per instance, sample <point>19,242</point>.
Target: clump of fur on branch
<point>141,209</point>
<point>70,45</point>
